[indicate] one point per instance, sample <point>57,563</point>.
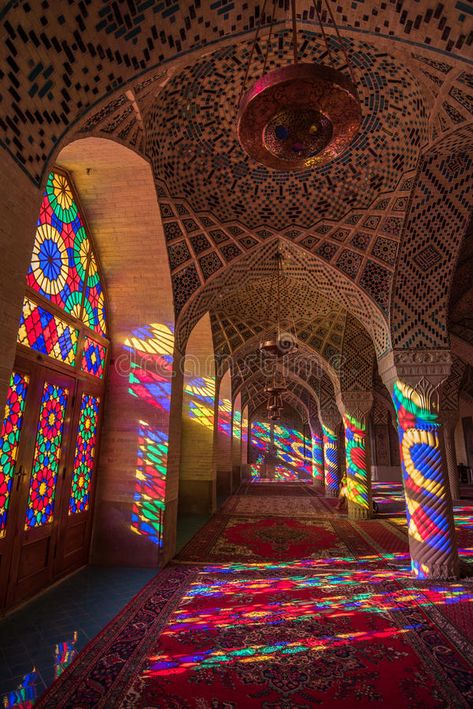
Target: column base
<point>448,569</point>
<point>357,512</point>
<point>330,492</point>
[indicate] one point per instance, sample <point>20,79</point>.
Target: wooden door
<point>41,482</point>
<point>11,438</point>
<point>75,513</point>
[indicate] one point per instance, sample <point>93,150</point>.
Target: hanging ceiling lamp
<point>300,115</point>
<point>283,339</point>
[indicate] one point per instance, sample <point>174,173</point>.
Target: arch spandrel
<point>441,205</point>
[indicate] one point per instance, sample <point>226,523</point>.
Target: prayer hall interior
<point>236,354</point>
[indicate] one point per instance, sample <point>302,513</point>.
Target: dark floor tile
<point>85,603</point>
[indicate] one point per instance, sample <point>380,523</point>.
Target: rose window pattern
<point>64,273</point>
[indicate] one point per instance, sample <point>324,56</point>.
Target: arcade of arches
<point>138,244</point>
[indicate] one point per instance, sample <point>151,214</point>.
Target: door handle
<point>19,474</point>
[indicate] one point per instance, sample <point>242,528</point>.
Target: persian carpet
<point>282,612</point>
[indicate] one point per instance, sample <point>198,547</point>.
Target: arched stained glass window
<point>63,266</point>
<point>50,431</point>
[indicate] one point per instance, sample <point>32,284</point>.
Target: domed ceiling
<point>194,147</point>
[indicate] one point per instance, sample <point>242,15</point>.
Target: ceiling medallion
<point>301,115</point>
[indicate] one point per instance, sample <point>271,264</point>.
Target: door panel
<point>76,513</point>
<point>10,470</point>
<point>48,454</point>
<point>40,489</point>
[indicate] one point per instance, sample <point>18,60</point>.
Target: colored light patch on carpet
<point>286,640</point>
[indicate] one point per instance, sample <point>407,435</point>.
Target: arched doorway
<point>50,432</point>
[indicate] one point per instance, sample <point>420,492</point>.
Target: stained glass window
<point>60,251</point>
<point>9,439</point>
<point>47,455</point>
<point>93,358</point>
<point>47,333</point>
<point>84,458</point>
<point>94,311</point>
<point>63,268</point>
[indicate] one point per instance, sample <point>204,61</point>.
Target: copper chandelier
<point>301,115</point>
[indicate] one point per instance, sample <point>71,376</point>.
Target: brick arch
<point>305,363</point>
<point>440,207</point>
<point>255,402</point>
<point>258,380</point>
<point>108,175</point>
<point>305,268</point>
<point>59,73</point>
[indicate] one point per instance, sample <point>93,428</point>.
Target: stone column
<point>330,423</point>
<point>315,429</point>
<point>449,420</point>
<point>355,408</point>
<point>414,378</point>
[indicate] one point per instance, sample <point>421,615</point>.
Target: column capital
<point>330,418</point>
<point>429,367</point>
<point>355,403</point>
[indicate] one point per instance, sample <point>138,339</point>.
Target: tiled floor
<point>40,639</point>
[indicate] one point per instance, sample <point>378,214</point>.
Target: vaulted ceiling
<point>370,239</point>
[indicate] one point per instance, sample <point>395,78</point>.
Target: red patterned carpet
<point>282,612</point>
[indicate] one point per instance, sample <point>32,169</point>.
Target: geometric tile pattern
<point>438,219</point>
<point>209,249</point>
<point>318,280</point>
<point>344,225</point>
<point>60,64</point>
<point>208,167</point>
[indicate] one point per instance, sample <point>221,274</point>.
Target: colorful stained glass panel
<point>84,458</point>
<point>47,333</point>
<point>93,358</point>
<point>9,440</point>
<point>60,252</point>
<point>94,306</point>
<point>47,455</point>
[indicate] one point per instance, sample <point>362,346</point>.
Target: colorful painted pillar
<point>317,454</point>
<point>449,422</point>
<point>415,391</point>
<point>356,407</point>
<point>331,455</point>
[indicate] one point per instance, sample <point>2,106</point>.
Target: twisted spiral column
<point>360,504</point>
<point>432,541</point>
<point>318,460</point>
<point>449,420</point>
<point>331,462</point>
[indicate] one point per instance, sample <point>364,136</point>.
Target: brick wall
<point>223,441</point>
<point>236,441</point>
<point>197,467</point>
<point>117,192</point>
<point>20,202</point>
